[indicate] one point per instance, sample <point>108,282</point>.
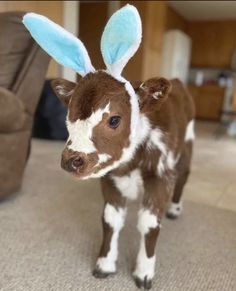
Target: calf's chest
<point>130,185</point>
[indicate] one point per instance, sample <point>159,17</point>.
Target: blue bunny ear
<point>61,45</point>
<point>121,38</point>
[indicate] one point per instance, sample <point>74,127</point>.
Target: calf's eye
<point>114,121</point>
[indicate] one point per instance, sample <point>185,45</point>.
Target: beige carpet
<point>50,235</point>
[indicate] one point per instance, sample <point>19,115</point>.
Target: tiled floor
<point>213,178</point>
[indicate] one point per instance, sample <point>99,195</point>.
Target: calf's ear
<point>63,89</point>
<point>152,94</point>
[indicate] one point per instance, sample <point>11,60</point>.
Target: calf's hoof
<point>174,210</point>
<point>99,274</point>
<point>171,215</point>
<point>145,283</point>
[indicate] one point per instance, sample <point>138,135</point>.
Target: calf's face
<point>99,121</point>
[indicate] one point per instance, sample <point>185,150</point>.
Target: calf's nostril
<point>77,163</point>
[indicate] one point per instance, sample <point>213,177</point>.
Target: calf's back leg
<point>182,173</point>
<point>112,220</point>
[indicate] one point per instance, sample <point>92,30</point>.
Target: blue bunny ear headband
<point>120,40</point>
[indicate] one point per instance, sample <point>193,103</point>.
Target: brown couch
<point>23,66</point>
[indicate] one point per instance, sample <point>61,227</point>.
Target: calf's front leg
<point>112,221</point>
<point>155,201</point>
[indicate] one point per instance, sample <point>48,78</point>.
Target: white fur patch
<point>145,267</point>
<point>189,134</point>
<point>130,185</point>
<point>171,160</point>
<point>167,163</point>
<point>80,131</point>
<point>136,138</point>
<point>146,220</point>
<point>167,160</point>
<point>135,113</point>
<point>175,209</point>
<point>103,158</point>
<point>115,218</point>
<point>161,167</point>
<point>108,264</point>
<point>156,140</point>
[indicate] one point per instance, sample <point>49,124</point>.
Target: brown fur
<point>63,89</point>
<point>150,241</point>
<point>107,236</point>
<point>92,92</point>
<point>90,160</point>
<point>147,90</point>
<point>112,196</point>
<point>183,169</point>
<point>103,136</point>
<point>178,107</point>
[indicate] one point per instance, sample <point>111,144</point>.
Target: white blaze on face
<point>80,131</point>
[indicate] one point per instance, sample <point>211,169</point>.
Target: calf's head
<point>99,120</point>
<point>105,115</point>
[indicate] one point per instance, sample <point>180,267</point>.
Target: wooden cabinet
<point>213,43</point>
<point>93,18</point>
<point>208,101</point>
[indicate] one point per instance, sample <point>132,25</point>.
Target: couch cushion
<point>13,155</point>
<point>14,42</point>
<point>12,112</point>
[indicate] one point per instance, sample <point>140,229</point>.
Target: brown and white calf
<point>137,148</point>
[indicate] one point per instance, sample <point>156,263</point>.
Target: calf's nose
<point>77,163</point>
<point>71,161</point>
